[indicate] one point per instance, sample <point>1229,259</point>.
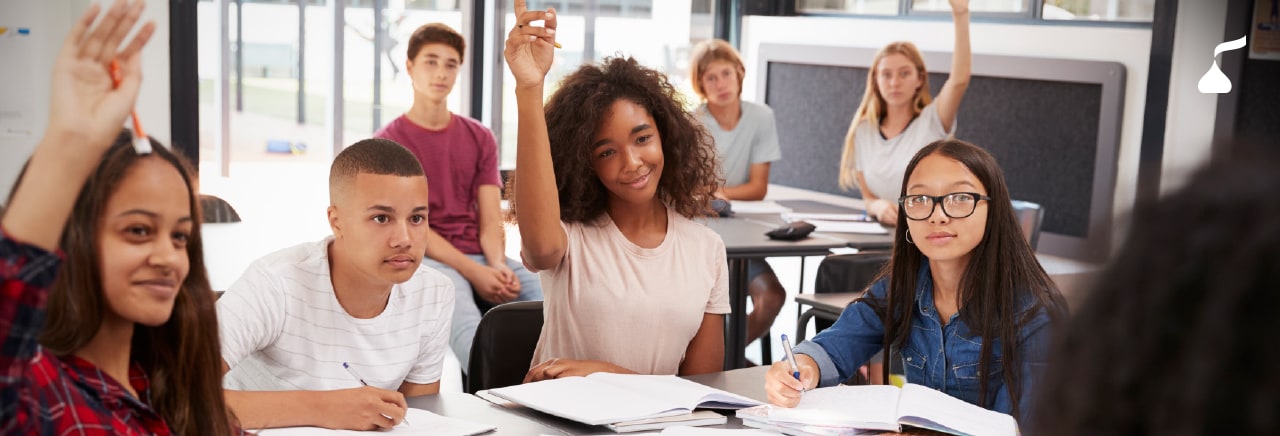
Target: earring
<point>909,241</point>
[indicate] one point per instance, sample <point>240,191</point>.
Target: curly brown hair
<point>691,172</point>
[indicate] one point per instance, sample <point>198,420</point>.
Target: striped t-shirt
<point>282,328</point>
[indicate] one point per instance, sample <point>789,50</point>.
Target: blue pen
<point>362,383</point>
<point>791,359</point>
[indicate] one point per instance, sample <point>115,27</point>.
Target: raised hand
<point>959,6</point>
<point>86,113</point>
<point>530,49</point>
<point>85,108</point>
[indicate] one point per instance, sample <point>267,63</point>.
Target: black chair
<point>503,346</point>
<point>217,210</point>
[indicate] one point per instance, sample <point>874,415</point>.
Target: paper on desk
<point>423,423</point>
<point>701,431</point>
<point>857,217</point>
<point>739,206</point>
<point>848,227</point>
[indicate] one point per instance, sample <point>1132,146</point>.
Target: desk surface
<point>745,238</point>
<point>833,302</point>
<point>509,420</point>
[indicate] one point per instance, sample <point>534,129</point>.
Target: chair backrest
<point>217,210</point>
<point>1030,215</point>
<point>503,346</point>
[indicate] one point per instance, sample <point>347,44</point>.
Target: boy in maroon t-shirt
<point>460,158</point>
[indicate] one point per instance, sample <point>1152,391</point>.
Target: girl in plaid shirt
<point>123,338</point>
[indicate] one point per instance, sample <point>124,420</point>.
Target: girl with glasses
<point>963,301</point>
<point>897,117</point>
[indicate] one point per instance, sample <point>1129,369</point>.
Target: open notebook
<point>607,398</point>
<point>421,422</point>
<point>841,409</point>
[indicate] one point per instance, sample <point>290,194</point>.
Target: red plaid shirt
<point>41,393</point>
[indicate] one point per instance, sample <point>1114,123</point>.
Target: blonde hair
<point>710,51</point>
<point>872,108</point>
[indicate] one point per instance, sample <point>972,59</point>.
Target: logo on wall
<point>1214,81</point>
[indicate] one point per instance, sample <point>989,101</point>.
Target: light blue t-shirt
<point>754,140</point>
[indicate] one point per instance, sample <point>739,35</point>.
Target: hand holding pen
<point>787,380</point>
<point>388,407</point>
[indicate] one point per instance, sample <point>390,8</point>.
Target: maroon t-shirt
<point>457,161</point>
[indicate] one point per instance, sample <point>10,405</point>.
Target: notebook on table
<point>607,398</point>
<point>842,409</point>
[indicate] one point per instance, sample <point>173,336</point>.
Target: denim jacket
<point>941,357</point>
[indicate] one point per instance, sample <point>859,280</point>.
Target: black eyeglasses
<point>954,205</point>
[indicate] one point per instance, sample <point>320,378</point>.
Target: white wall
<point>1128,46</point>
<point>1188,133</point>
<point>24,86</point>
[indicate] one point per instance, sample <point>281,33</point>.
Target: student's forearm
<point>746,191</point>
<point>962,58</point>
<point>494,247</point>
<point>492,234</point>
<point>538,204</point>
<point>273,409</point>
<point>40,207</point>
<point>441,250</point>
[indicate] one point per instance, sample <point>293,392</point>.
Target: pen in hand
<point>360,379</point>
<point>791,360</point>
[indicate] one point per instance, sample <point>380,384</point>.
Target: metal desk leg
<point>736,337</point>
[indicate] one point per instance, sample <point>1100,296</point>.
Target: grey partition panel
<point>1053,125</point>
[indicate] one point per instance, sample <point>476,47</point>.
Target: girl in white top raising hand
<point>898,117</point>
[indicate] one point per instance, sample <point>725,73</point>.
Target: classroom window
<point>281,69</point>
<point>671,27</point>
<point>1076,10</point>
<point>976,6</point>
<point>858,7</point>
<point>1099,10</point>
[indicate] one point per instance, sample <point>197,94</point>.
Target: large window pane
<point>1103,10</point>
<point>270,121</point>
<point>865,7</point>
<point>670,27</point>
<point>363,115</point>
<point>980,6</point>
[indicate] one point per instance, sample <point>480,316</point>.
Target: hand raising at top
<point>530,49</point>
<point>85,108</point>
<point>959,6</point>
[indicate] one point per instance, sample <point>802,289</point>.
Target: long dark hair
<point>182,357</point>
<point>1002,275</point>
<point>1178,336</point>
<point>690,174</point>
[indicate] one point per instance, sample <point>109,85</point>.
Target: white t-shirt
<point>883,162</point>
<point>754,140</point>
<point>282,328</point>
<point>637,308</point>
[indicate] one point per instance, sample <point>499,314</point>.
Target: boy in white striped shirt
<point>360,297</point>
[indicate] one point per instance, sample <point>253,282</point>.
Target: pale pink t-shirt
<point>637,308</point>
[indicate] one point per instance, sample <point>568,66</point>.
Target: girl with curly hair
<point>608,177</point>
